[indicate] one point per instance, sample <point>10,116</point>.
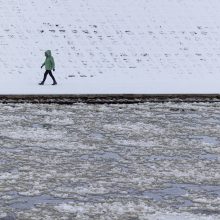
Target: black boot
<point>42,83</point>
<point>54,83</point>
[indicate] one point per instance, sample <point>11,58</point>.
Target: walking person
<point>49,66</point>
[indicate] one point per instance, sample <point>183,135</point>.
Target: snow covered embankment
<point>121,46</point>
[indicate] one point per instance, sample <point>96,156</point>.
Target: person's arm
<point>53,63</point>
<point>43,65</point>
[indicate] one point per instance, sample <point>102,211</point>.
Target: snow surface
<point>117,46</point>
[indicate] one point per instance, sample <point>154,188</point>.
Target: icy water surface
<point>142,161</point>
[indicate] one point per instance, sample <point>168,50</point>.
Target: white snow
<point>117,46</point>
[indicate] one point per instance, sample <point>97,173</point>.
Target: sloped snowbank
<point>118,46</point>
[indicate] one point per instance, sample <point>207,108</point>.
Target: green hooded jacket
<point>49,62</point>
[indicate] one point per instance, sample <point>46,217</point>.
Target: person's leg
<point>45,77</point>
<point>51,75</point>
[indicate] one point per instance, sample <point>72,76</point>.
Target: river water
<point>139,161</point>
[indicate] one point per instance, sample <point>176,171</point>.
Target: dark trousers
<point>51,75</point>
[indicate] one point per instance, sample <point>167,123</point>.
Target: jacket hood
<point>48,53</point>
